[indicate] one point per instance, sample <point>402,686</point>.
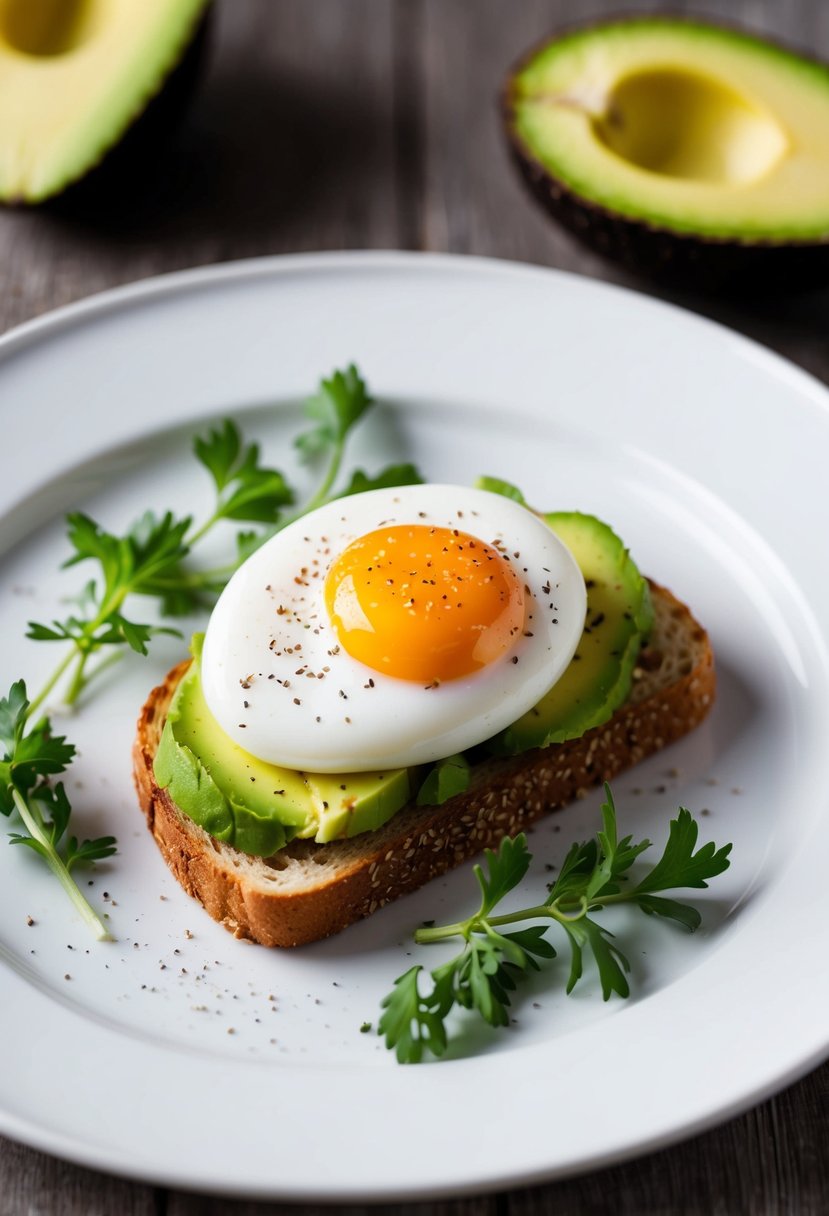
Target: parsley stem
<point>195,579</point>
<point>561,911</point>
<point>78,681</point>
<point>35,828</point>
<point>465,928</point>
<point>82,649</point>
<point>626,896</point>
<point>83,678</point>
<point>61,668</point>
<point>320,498</point>
<point>204,529</point>
<point>327,482</point>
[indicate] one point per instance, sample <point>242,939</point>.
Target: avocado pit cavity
<point>47,28</point>
<point>688,150</point>
<point>685,125</point>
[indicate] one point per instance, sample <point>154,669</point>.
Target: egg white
<point>278,682</point>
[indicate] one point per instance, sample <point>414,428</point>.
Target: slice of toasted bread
<point>308,891</point>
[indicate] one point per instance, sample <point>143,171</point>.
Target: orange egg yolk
<point>424,604</point>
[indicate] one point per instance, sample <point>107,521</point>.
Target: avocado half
<point>75,76</point>
<point>682,148</point>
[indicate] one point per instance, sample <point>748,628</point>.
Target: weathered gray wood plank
<point>32,1184</point>
<point>372,123</point>
<point>772,1161</point>
<point>290,146</point>
<point>194,1205</point>
<point>474,202</point>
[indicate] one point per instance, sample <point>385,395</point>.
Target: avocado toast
<point>307,854</point>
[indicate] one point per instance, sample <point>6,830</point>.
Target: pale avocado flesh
<point>74,76</point>
<point>259,807</point>
<point>681,125</point>
<point>619,614</point>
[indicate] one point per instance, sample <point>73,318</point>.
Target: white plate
<point>708,454</point>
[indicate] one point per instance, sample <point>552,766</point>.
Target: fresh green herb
<point>151,559</point>
<point>387,479</point>
<point>497,485</point>
<point>245,489</point>
<point>593,876</point>
<point>129,565</point>
<point>32,755</point>
<point>339,403</point>
<point>444,780</point>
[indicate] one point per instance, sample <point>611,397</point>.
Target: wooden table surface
<point>353,124</point>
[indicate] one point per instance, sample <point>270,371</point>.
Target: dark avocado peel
<point>684,149</point>
<point>258,807</point>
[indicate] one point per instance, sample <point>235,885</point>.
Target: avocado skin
<point>705,263</point>
<point>723,264</point>
<point>124,168</point>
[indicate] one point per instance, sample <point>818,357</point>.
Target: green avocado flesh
<point>680,124</point>
<point>598,679</point>
<point>74,76</point>
<point>258,807</point>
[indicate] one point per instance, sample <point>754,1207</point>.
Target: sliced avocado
<point>255,806</point>
<point>74,76</point>
<point>445,780</point>
<point>619,614</point>
<point>644,128</point>
<point>350,803</point>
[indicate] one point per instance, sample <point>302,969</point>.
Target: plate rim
<point>205,278</point>
<point>196,278</point>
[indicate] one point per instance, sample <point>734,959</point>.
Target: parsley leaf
<point>412,1023</point>
<point>247,490</point>
<point>31,756</point>
<point>594,875</point>
<point>505,868</point>
<point>497,485</point>
<point>387,479</point>
<point>131,564</point>
<point>13,709</point>
<point>27,756</point>
<point>340,402</point>
<point>679,865</point>
<point>152,559</point>
<point>585,933</point>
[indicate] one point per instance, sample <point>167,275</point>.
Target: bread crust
<point>310,891</point>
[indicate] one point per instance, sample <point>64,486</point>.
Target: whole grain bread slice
<point>308,891</point>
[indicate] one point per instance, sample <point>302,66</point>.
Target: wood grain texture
<point>191,1205</point>
<point>372,123</point>
<point>32,1184</point>
<point>473,200</point>
<point>290,146</point>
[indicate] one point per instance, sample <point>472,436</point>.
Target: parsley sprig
<point>32,755</point>
<point>594,875</point>
<point>152,559</point>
